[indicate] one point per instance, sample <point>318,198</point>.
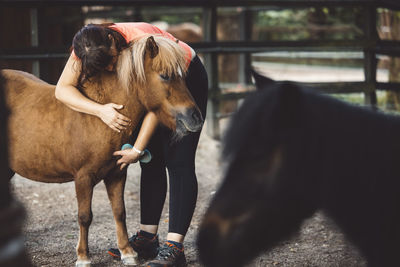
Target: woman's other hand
<point>115,120</point>
<point>128,156</point>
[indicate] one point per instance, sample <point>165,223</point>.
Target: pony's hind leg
<point>84,193</point>
<point>115,189</point>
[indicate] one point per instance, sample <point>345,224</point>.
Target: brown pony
<point>49,142</point>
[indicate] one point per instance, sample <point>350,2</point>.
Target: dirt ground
<point>51,228</point>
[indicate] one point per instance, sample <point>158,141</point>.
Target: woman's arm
<point>67,92</point>
<point>149,125</point>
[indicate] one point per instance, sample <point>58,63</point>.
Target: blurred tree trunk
<point>390,30</point>
<point>228,30</point>
<point>228,64</point>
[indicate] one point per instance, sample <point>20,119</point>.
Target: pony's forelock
<point>169,61</point>
<point>171,58</point>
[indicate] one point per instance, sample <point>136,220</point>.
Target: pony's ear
<point>261,81</point>
<point>152,47</point>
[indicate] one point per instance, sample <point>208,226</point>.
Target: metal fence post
<point>35,39</point>
<point>370,61</point>
<point>245,26</point>
<point>211,64</point>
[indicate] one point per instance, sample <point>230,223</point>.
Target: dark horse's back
<point>45,131</point>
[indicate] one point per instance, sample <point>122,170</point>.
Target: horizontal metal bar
<point>261,46</point>
<point>203,3</point>
<point>33,56</point>
<point>392,86</point>
<point>390,4</point>
<point>388,47</point>
<point>328,87</point>
<point>382,47</point>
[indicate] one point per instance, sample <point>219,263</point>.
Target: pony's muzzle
<point>190,120</point>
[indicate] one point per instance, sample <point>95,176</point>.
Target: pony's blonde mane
<point>169,61</point>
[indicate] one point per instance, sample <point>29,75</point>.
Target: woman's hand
<point>113,118</point>
<point>128,156</point>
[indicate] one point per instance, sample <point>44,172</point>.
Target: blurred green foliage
<point>167,14</point>
<point>310,23</point>
<point>174,19</point>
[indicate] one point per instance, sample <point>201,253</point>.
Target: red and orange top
<point>132,31</point>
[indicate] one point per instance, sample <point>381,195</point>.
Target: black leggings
<point>179,159</point>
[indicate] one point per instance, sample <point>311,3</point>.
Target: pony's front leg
<point>115,189</point>
<point>84,193</point>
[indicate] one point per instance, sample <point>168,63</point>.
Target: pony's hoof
<point>130,260</point>
<point>82,263</point>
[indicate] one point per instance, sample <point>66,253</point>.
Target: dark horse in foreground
<point>49,142</point>
<point>291,152</point>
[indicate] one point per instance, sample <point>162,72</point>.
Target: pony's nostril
<point>196,115</point>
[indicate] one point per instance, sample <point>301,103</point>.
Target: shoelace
<point>137,238</point>
<point>167,251</point>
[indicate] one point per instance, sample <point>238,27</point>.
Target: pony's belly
<point>39,170</point>
<point>36,150</point>
<point>46,179</point>
<point>56,156</point>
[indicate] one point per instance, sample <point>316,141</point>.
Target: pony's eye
<point>165,77</point>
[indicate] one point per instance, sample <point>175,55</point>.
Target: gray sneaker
<point>169,255</point>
